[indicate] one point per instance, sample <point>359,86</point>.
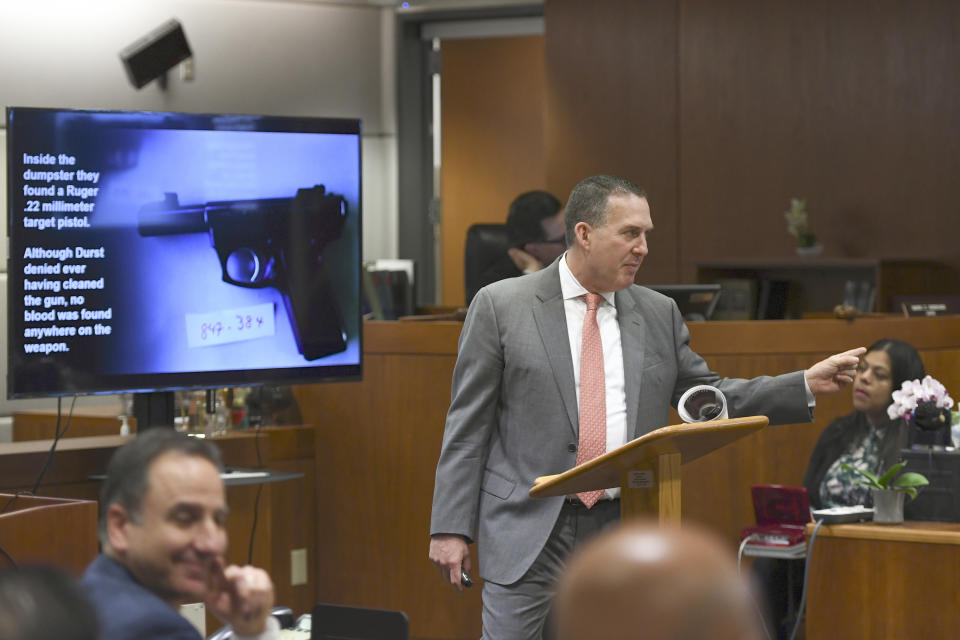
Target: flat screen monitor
<point>158,251</point>
<point>940,500</point>
<point>696,301</point>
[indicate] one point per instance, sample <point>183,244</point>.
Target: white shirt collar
<point>570,287</point>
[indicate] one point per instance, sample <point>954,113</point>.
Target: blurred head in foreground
<point>44,603</point>
<point>640,580</point>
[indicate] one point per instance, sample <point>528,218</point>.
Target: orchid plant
<point>922,401</point>
<point>798,223</point>
<point>906,482</point>
<point>926,403</point>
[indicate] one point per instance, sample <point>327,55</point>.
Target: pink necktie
<point>593,403</point>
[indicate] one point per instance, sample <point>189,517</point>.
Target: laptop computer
<point>782,513</point>
<point>341,622</point>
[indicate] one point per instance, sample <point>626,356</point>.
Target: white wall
<point>251,56</point>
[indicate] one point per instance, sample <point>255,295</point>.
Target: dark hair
<point>588,201</point>
<point>905,362</point>
<point>526,213</point>
<point>127,473</point>
<point>44,603</point>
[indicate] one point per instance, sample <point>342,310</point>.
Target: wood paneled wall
<point>378,442</point>
<point>492,139</point>
<point>725,109</point>
<point>612,107</point>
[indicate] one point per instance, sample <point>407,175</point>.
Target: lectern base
<point>653,491</point>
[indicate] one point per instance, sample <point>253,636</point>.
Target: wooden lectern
<point>647,469</point>
<point>59,532</point>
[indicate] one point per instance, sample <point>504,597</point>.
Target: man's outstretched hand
<point>834,373</point>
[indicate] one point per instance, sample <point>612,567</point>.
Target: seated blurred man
<point>44,603</point>
<point>535,227</point>
<point>162,531</point>
<point>638,580</point>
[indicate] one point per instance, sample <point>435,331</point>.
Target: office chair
<point>486,245</point>
<point>339,622</point>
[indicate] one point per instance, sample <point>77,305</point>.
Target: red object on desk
<point>782,512</point>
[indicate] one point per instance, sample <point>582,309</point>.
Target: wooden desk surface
<point>41,424</point>
<point>94,411</point>
<point>740,338</point>
<point>930,532</point>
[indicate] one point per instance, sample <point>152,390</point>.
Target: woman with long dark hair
<point>866,438</point>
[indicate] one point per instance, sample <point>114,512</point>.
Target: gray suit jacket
<point>513,409</point>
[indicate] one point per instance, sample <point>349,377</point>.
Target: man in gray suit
<point>515,393</point>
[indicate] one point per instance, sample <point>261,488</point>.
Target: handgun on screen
<point>270,242</point>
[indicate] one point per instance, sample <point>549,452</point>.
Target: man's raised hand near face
<point>242,597</point>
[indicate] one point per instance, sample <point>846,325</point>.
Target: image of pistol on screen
<point>270,242</point>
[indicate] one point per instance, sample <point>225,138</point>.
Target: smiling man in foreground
<point>163,513</point>
<point>553,369</point>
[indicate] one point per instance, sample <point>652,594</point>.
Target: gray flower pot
<point>887,506</point>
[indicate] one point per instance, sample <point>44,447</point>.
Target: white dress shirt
<point>575,308</point>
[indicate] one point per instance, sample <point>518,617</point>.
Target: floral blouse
<point>839,488</point>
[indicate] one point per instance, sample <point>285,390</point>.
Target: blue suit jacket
<point>128,610</point>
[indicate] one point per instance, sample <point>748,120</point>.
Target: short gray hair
<point>588,201</point>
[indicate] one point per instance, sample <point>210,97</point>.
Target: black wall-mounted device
<point>152,55</point>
